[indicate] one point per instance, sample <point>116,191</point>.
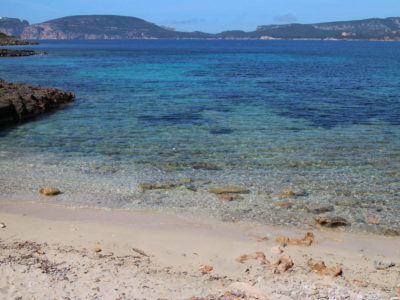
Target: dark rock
<point>19,101</point>
<point>331,221</point>
<point>12,53</point>
<point>204,166</point>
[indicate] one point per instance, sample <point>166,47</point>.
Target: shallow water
<point>318,116</point>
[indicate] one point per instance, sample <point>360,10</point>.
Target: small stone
<point>49,191</point>
<point>206,269</point>
<point>287,193</point>
<point>276,250</point>
<point>228,190</point>
<point>147,186</point>
<point>331,221</point>
<point>306,240</point>
<point>316,208</point>
<point>257,256</point>
<point>321,269</point>
<point>383,265</point>
<point>96,250</point>
<point>286,204</point>
<point>373,220</point>
<point>398,289</point>
<point>2,225</point>
<point>284,263</point>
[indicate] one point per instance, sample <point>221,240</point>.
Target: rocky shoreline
<point>19,101</point>
<point>13,53</point>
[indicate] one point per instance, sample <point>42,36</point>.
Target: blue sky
<point>206,15</point>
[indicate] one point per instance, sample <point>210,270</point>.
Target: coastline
<point>174,249</point>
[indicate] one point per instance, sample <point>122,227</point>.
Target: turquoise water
<point>317,116</point>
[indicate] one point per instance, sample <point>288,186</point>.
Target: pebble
<point>276,250</point>
<point>383,265</point>
<point>97,250</point>
<point>2,225</point>
<point>49,191</point>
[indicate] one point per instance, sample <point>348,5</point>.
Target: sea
<point>156,123</point>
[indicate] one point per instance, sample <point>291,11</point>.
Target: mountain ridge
<point>83,27</point>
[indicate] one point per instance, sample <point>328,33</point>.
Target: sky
<point>206,15</point>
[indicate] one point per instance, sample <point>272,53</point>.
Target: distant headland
<point>88,27</point>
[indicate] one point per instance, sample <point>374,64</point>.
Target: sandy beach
<point>50,252</point>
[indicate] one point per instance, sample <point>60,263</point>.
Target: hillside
<point>120,27</point>
<point>6,40</point>
<point>95,27</point>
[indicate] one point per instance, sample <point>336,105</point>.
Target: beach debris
<point>2,225</point>
<point>306,240</point>
<point>228,190</point>
<point>206,269</point>
<point>318,208</point>
<point>276,250</point>
<point>383,265</point>
<point>256,255</point>
<point>398,289</point>
<point>165,186</point>
<point>320,267</point>
<point>283,263</point>
<point>260,238</point>
<point>49,191</point>
<point>331,221</point>
<point>229,197</point>
<point>96,250</point>
<point>286,204</point>
<point>141,252</point>
<point>373,220</point>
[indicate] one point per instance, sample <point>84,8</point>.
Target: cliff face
<point>119,27</point>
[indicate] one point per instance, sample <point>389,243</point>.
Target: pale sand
<point>46,252</point>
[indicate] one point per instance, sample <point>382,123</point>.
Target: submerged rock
<point>49,191</point>
<point>319,208</point>
<point>228,190</point>
<point>165,186</point>
<point>331,221</point>
<point>229,197</point>
<point>204,166</point>
<point>19,101</point>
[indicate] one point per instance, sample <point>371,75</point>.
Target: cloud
<point>183,22</point>
<point>288,18</point>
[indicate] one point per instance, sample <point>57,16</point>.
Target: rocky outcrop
<point>12,53</point>
<point>6,40</point>
<point>19,101</point>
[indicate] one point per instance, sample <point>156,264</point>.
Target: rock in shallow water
<point>19,101</point>
<point>228,190</point>
<point>316,208</point>
<point>50,191</point>
<point>331,221</point>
